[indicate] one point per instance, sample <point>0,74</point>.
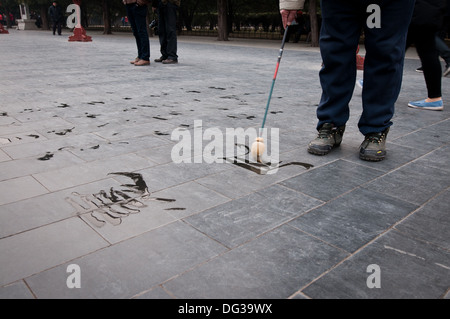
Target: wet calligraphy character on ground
<point>113,205</point>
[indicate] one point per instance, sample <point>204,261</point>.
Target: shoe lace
<point>325,132</point>
<point>375,138</point>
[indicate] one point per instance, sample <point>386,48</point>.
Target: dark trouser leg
<point>132,21</point>
<point>339,35</point>
<point>137,17</point>
<point>167,29</point>
<point>162,30</point>
<point>385,47</point>
<point>383,67</point>
<point>443,50</point>
<point>425,42</point>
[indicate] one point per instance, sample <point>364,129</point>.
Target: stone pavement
<point>87,178</point>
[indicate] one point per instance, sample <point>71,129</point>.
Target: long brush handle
<point>275,75</point>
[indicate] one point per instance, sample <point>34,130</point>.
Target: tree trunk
<point>314,23</point>
<point>106,17</point>
<point>187,14</point>
<point>222,24</point>
<point>44,17</point>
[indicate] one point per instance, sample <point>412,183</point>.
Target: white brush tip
<point>258,148</point>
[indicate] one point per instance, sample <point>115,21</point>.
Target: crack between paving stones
<point>391,228</point>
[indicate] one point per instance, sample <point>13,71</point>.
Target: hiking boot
<point>373,148</point>
<point>328,138</point>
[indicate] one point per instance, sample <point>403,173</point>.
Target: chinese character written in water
<point>113,205</point>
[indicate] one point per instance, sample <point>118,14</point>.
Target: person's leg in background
<point>60,27</point>
<point>170,33</point>
<point>425,42</point>
<point>54,27</point>
<point>162,33</point>
<point>444,53</point>
<point>137,18</point>
<point>140,17</point>
<point>131,20</point>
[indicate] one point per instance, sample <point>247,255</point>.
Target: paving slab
<point>31,252</point>
<point>29,166</point>
<point>354,219</point>
<point>438,158</point>
<point>145,261</point>
<point>88,177</point>
<point>4,157</point>
<point>17,290</point>
<point>332,180</point>
<point>426,181</point>
<point>38,148</point>
<point>16,189</point>
<point>75,175</point>
<point>431,222</point>
<point>238,221</point>
<point>46,209</point>
<point>408,269</point>
<point>273,266</point>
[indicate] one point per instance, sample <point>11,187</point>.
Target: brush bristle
<point>258,148</point>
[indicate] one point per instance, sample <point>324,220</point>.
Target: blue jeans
<point>342,22</point>
<point>137,16</point>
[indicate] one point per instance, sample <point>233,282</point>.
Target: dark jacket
<point>429,13</point>
<point>55,13</point>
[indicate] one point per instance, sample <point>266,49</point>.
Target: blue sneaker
<point>434,106</point>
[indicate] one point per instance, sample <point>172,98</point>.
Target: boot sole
<point>316,152</point>
<point>372,158</point>
<point>321,152</point>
